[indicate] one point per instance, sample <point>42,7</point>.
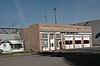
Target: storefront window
<point>58,39</point>
<point>45,43</point>
<point>45,39</point>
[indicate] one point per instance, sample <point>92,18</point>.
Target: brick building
<point>48,37</point>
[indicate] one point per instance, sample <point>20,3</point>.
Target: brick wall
<point>31,38</point>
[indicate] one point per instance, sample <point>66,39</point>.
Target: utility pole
<point>14,27</point>
<point>45,12</point>
<point>55,15</point>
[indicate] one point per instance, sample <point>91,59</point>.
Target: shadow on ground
<point>76,58</point>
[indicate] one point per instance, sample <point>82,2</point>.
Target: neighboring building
<point>11,43</point>
<point>10,40</point>
<point>47,37</point>
<point>95,26</point>
<point>9,30</point>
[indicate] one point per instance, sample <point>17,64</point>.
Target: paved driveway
<point>32,60</point>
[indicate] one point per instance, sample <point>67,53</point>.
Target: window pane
<point>16,46</point>
<point>51,36</point>
<point>58,35</point>
<point>68,42</point>
<point>44,35</point>
<point>86,41</point>
<point>45,43</point>
<point>4,45</point>
<point>77,41</point>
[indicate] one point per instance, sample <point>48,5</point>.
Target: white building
<point>11,43</point>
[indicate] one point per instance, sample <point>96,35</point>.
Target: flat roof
<point>63,28</point>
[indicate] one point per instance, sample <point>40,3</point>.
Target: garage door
<point>68,41</point>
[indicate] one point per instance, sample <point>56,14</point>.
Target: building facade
<point>95,28</point>
<point>48,37</point>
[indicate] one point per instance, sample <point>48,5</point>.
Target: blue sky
<point>27,12</point>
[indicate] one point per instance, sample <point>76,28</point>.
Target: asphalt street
<point>32,60</point>
<point>77,57</point>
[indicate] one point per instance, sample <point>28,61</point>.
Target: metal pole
<point>55,16</point>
